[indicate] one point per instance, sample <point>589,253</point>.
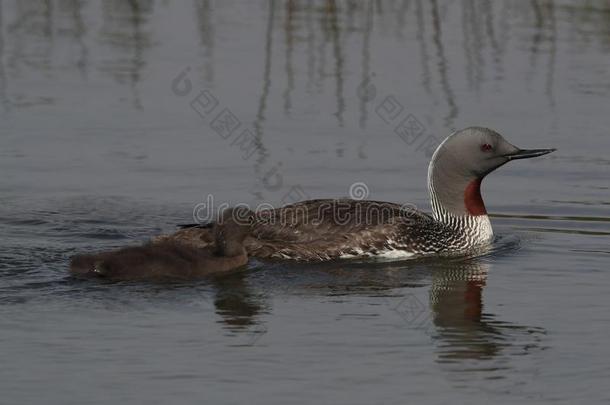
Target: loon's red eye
<point>486,147</point>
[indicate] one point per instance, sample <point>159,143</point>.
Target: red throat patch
<point>472,198</point>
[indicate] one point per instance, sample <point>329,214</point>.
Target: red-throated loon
<point>329,229</point>
<point>170,259</point>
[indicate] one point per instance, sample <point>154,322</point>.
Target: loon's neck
<point>456,202</point>
<point>464,201</point>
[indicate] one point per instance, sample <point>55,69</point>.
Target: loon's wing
<point>322,219</point>
<point>327,229</point>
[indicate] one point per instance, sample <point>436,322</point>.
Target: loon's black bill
<point>528,153</point>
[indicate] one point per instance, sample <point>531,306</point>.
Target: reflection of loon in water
<point>460,327</point>
<point>464,332</point>
<point>456,302</point>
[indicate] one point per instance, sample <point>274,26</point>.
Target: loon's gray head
<point>461,162</point>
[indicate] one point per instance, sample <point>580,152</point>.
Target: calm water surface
<point>108,137</point>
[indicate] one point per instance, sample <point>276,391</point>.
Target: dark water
<point>108,138</point>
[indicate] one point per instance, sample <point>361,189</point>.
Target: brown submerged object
<point>172,259</point>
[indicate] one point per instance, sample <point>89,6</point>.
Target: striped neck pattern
<point>468,230</point>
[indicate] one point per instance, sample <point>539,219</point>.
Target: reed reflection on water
<point>306,59</point>
<point>311,43</point>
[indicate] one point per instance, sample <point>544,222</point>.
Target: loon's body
<point>313,230</point>
<point>331,229</point>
